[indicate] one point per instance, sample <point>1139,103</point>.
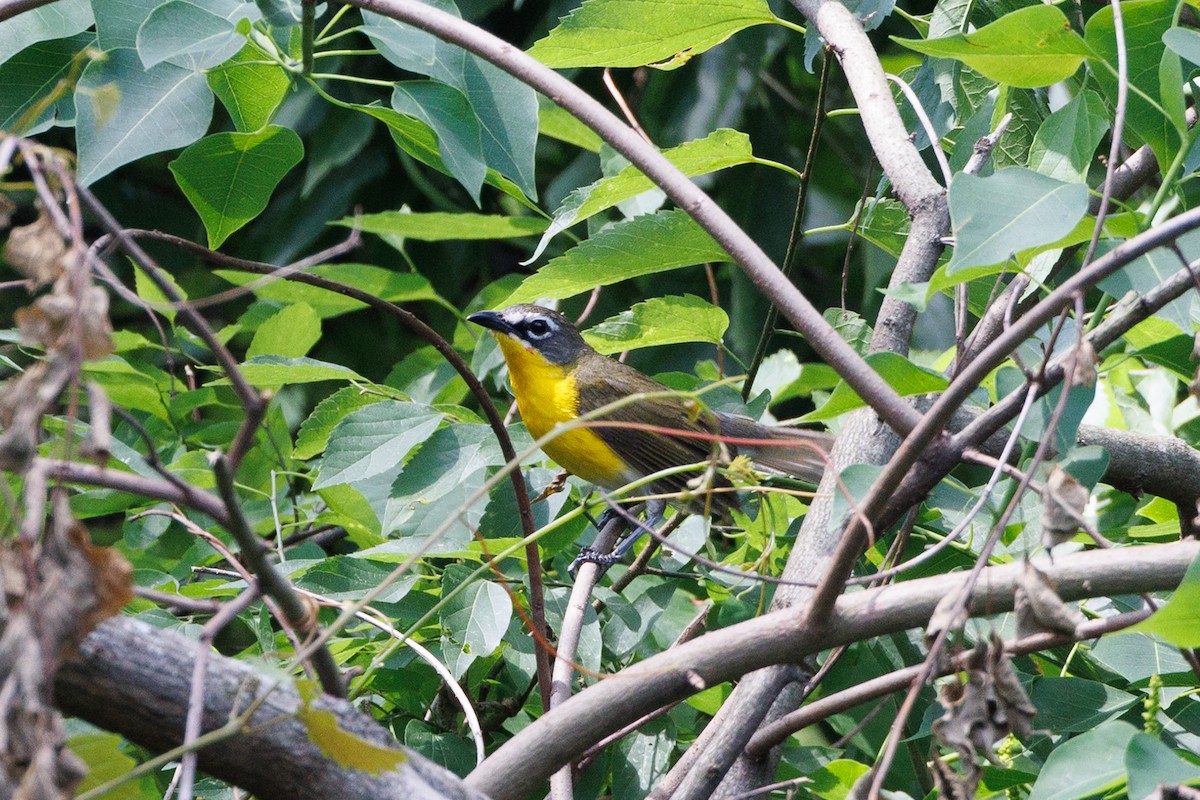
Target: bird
<point>557,376</point>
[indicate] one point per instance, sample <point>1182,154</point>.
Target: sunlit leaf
<point>659,321</point>
<point>633,33</point>
<point>1029,48</point>
<point>640,246</point>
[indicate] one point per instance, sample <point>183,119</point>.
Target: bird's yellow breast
<point>547,396</point>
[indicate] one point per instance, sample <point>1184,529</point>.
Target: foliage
<point>445,185</point>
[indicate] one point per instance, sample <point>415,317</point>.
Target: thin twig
<point>273,584</point>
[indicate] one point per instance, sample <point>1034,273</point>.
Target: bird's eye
<point>538,328</point>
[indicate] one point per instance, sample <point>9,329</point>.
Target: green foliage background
<point>201,120</point>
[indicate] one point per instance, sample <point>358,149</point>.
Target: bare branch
<point>785,637</point>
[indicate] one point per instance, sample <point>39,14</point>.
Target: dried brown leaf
<point>37,250</point>
<point>1039,608</point>
<point>1063,503</point>
<point>947,616</point>
<point>988,706</point>
<point>47,323</point>
<point>7,207</point>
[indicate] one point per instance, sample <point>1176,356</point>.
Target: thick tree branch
<point>135,680</point>
<point>786,637</point>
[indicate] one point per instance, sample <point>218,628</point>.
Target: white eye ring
<point>539,328</point>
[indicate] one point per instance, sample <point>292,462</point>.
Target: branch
<point>272,583</point>
<point>92,475</point>
<point>895,681</point>
<point>134,679</point>
<point>10,8</point>
<point>416,325</point>
<point>749,256</point>
<point>519,766</point>
<point>916,445</point>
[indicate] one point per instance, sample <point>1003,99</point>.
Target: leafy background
<point>205,121</point>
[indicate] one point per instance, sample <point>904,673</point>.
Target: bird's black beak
<point>491,320</point>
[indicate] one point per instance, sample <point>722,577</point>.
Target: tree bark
<point>134,679</point>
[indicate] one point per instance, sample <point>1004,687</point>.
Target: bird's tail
<point>794,452</point>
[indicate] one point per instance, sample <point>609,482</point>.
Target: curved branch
<point>785,637</point>
<point>134,679</point>
<point>761,270</point>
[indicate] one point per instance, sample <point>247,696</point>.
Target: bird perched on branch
<point>557,377</point>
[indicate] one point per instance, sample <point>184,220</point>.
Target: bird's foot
<point>593,556</point>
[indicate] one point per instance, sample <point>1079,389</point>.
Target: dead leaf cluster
<point>55,592</point>
<point>989,705</point>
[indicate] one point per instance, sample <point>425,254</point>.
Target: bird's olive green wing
<point>600,381</point>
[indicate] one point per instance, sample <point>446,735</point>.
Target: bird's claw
<point>591,555</point>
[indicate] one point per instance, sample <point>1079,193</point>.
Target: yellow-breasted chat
<point>557,377</point>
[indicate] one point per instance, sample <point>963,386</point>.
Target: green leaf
<point>1086,765</point>
<point>440,226</point>
<point>344,748</point>
<point>720,149</point>
<point>418,140</point>
<point>1010,211</point>
<point>106,760</point>
<point>130,386</point>
<point>899,373</point>
<point>375,439</point>
<point>35,75</point>
<point>1145,273</point>
<point>884,223</point>
<point>1028,48</point>
<point>448,112</point>
<point>1178,622</point>
<point>659,321</point>
<point>476,619</point>
<point>1147,119</point>
<point>1151,764</point>
<point>1073,705</point>
<point>395,287</point>
<point>506,107</point>
<point>275,371</point>
<point>315,430</point>
<point>835,780</point>
<point>126,112</point>
<point>1184,42</point>
<point>229,177</point>
<point>558,123</point>
<point>633,33</point>
<point>251,92</point>
<point>434,484</point>
<point>290,333</point>
<point>1067,139</point>
<point>640,246</point>
<point>117,21</point>
<point>348,578</point>
<point>188,36</point>
<point>148,290</point>
<point>55,21</point>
